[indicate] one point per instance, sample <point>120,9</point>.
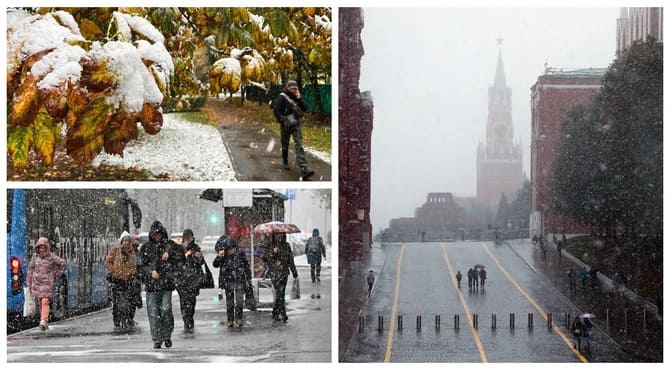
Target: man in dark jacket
<point>287,108</point>
<point>314,249</point>
<point>279,258</point>
<point>234,276</point>
<point>158,263</point>
<point>189,278</point>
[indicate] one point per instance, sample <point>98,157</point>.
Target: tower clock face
<point>500,130</point>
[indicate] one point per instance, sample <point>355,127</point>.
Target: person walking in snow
<point>189,277</point>
<point>459,276</point>
<point>235,275</point>
<point>287,108</point>
<point>44,268</point>
<point>314,249</point>
<point>371,281</point>
<point>121,263</point>
<point>158,265</point>
<point>279,258</point>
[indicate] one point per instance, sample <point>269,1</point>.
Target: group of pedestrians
<point>163,266</point>
<point>581,329</point>
<point>476,277</point>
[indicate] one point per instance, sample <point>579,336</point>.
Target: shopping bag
<point>207,280</point>
<point>29,307</point>
<point>249,299</point>
<point>295,289</point>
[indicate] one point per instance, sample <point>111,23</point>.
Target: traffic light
<point>213,218</point>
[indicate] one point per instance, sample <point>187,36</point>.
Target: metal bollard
<point>511,320</point>
<point>399,322</point>
<point>457,321</point>
<point>493,321</point>
<point>418,322</point>
<point>475,320</point>
<point>380,323</point>
<point>549,320</point>
<point>530,320</point>
<point>437,322</point>
<point>361,323</point>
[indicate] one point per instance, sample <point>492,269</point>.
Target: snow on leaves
<point>94,92</point>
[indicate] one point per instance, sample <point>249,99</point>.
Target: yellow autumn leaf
<point>90,30</point>
<point>45,137</point>
<point>84,139</point>
<point>25,103</point>
<point>19,140</point>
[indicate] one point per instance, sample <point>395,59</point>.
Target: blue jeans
<point>161,320</point>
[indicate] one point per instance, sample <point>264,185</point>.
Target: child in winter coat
<point>44,268</point>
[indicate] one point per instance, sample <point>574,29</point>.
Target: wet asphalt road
<point>91,338</point>
<point>427,287</point>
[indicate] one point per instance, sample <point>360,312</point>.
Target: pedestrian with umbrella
<point>587,325</point>
<point>279,258</point>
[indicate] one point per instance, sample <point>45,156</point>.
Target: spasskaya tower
<point>499,167</point>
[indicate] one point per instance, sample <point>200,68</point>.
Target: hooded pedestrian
<point>189,278</point>
<point>234,276</point>
<point>287,108</point>
<point>371,281</point>
<point>279,257</point>
<point>572,280</point>
<point>314,249</point>
<point>471,277</point>
<point>459,276</point>
<point>44,268</point>
<point>121,263</point>
<point>159,261</point>
<point>482,277</point>
<point>577,333</point>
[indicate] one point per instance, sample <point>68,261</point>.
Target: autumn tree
<point>608,172</point>
<point>93,86</point>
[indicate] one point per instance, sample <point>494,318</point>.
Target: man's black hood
<point>158,228</point>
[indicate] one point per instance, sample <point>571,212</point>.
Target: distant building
<point>555,93</point>
<point>439,218</point>
<point>637,24</point>
<point>499,167</point>
<point>355,131</point>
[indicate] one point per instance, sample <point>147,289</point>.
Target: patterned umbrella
<point>276,227</point>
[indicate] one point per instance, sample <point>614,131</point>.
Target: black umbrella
<point>214,195</point>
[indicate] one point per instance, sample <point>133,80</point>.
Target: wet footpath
<point>635,324</point>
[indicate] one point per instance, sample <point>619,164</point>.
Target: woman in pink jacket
<point>43,269</point>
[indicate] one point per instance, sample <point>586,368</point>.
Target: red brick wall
<point>552,98</point>
<point>355,131</point>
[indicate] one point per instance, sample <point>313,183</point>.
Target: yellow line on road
<point>475,334</point>
<point>539,309</point>
<point>394,311</point>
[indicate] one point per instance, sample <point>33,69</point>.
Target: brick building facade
<point>355,131</point>
<point>555,93</point>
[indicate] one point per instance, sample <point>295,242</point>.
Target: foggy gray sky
<point>429,71</point>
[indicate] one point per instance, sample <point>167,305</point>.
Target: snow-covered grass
<point>188,151</point>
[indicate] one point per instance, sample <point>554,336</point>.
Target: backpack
<point>313,245</point>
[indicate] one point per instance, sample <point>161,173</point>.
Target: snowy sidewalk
<point>188,151</point>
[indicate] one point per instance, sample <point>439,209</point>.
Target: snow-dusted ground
<point>187,150</point>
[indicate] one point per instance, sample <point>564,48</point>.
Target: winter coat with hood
<point>314,248</point>
<point>283,107</point>
<point>150,260</point>
<point>234,271</point>
<point>121,262</point>
<point>281,262</point>
<point>43,271</point>
<point>190,273</point>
